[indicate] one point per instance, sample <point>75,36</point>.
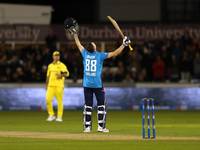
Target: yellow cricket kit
<point>53,69</point>
<point>55,87</point>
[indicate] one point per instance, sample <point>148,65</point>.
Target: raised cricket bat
<point>118,29</point>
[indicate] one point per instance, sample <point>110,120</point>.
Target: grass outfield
<point>29,130</point>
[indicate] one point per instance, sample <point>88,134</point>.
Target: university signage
<point>34,33</point>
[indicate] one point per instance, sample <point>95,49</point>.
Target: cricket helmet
<point>70,22</point>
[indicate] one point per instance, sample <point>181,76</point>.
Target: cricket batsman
<point>56,73</point>
<point>92,83</point>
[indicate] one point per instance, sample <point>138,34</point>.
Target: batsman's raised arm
<point>126,42</point>
<point>80,47</point>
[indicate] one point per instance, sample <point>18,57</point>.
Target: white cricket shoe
<point>100,129</point>
<point>59,119</point>
<point>87,129</point>
<point>50,118</point>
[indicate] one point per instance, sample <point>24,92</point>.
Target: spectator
<point>20,75</point>
<point>36,49</point>
<point>26,70</point>
<point>15,63</point>
<point>187,40</point>
<point>150,44</point>
<point>43,73</point>
<point>141,78</point>
<point>134,74</point>
<point>38,62</point>
<point>46,57</point>
<point>195,44</point>
<point>158,69</point>
<point>177,51</point>
<point>159,42</point>
<point>38,77</point>
<point>135,60</point>
<point>196,66</point>
<point>191,50</point>
<point>165,56</point>
<point>119,75</point>
<point>128,78</point>
<point>7,77</point>
<point>33,75</point>
<point>107,75</point>
<point>121,67</point>
<point>31,51</point>
<point>24,49</point>
<point>14,77</point>
<point>147,63</point>
<point>185,67</point>
<point>174,68</point>
<point>3,64</point>
<point>144,76</point>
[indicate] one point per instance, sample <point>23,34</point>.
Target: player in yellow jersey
<point>56,73</point>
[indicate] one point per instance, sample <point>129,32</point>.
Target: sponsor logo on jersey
<point>91,57</point>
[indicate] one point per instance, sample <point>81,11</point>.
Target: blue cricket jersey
<point>93,63</point>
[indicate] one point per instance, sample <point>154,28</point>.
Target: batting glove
<point>126,41</point>
<point>72,30</point>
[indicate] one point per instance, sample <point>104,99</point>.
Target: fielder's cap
<point>56,53</point>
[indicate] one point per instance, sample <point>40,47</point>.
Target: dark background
<point>81,10</point>
<point>87,11</point>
